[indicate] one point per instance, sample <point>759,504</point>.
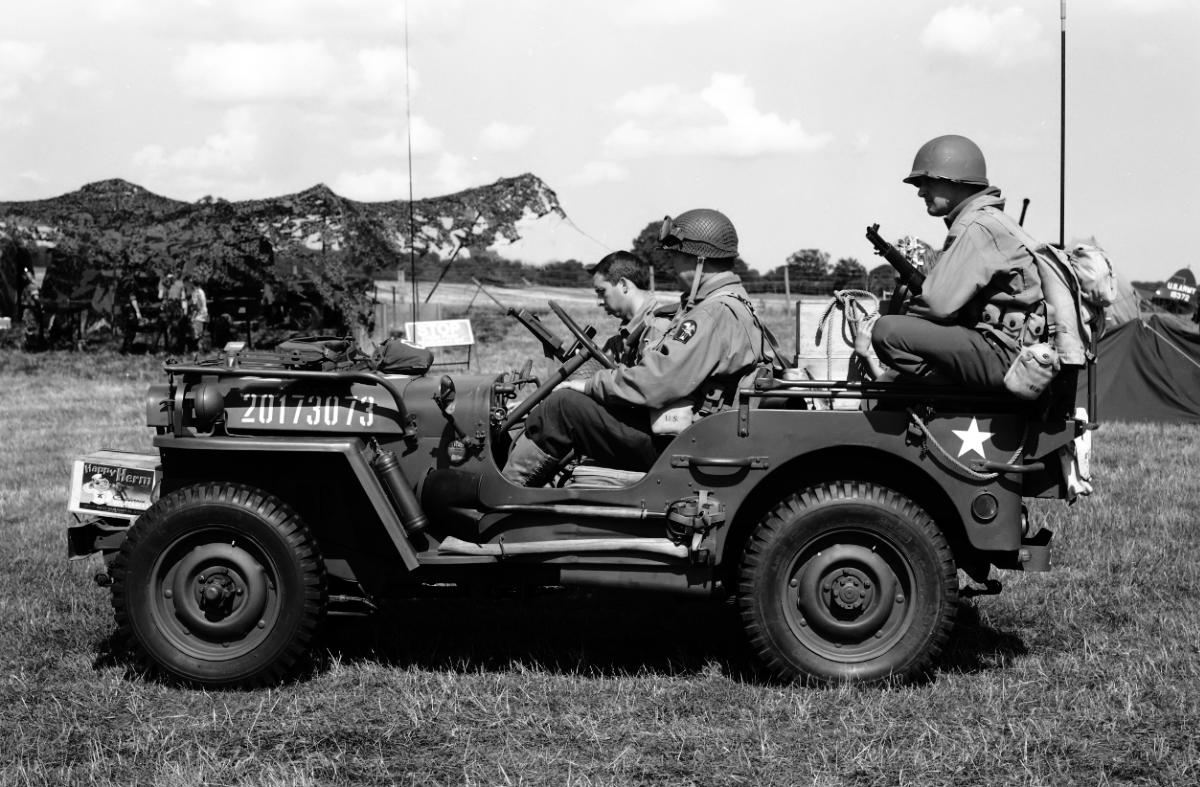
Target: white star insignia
<point>972,439</point>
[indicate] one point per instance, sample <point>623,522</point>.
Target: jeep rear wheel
<point>848,582</point>
<point>219,585</point>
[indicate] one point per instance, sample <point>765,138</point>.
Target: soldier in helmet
<point>983,299</point>
<point>714,341</point>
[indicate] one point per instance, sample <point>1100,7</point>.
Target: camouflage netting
<point>302,259</point>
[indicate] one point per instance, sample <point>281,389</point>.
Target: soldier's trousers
<point>952,354</point>
<point>617,437</point>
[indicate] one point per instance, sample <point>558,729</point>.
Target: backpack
<point>1077,285</point>
<point>396,356</point>
<point>316,353</point>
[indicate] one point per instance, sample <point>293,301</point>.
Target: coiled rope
<point>844,301</point>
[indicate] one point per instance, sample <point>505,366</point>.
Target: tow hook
<point>103,579</point>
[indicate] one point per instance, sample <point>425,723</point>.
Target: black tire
<point>219,585</point>
<point>848,581</point>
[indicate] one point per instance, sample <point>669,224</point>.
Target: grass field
<point>1088,675</point>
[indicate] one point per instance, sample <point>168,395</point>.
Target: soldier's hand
<point>862,336</point>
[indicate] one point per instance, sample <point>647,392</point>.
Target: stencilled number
<point>367,418</point>
<point>270,409</point>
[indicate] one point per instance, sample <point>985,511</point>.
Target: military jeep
<point>284,491</point>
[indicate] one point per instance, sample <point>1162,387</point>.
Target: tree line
<point>804,272</point>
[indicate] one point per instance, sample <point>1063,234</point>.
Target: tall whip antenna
<point>412,222</point>
<point>1062,132</point>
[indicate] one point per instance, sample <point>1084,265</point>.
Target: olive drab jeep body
<point>289,490</point>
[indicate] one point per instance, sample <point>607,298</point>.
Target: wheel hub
<point>846,593</point>
<point>851,590</point>
<point>219,591</point>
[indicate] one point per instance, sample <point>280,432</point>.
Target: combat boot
<point>527,464</point>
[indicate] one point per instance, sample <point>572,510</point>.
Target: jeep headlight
<point>208,404</point>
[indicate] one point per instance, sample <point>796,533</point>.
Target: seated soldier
<point>713,342</point>
<point>622,281</point>
<point>983,299</point>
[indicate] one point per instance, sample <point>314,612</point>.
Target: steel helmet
<point>949,157</point>
<point>702,232</point>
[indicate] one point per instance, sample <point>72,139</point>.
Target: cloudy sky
<point>796,118</point>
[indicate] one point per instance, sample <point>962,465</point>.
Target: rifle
<point>910,277</point>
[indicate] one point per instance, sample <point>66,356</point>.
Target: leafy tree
<point>849,274</point>
<point>809,272</point>
<point>568,273</point>
<point>644,245</point>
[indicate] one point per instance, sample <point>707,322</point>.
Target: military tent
<point>1148,370</point>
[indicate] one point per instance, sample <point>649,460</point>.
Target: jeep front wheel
<point>848,582</point>
<point>219,585</point>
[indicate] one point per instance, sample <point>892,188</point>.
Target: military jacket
<point>715,338</point>
<point>984,262</point>
<point>628,344</point>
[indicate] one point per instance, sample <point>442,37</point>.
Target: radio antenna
<point>412,222</point>
<point>1062,131</point>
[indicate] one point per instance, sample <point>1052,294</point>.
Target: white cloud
<point>20,63</point>
<point>501,137</point>
<point>450,173</point>
<point>667,12</point>
<point>599,172</point>
<point>246,71</point>
<point>32,177</point>
<point>376,185</point>
<point>723,119</point>
<point>1145,7</point>
<point>426,140</point>
<point>668,99</point>
<point>379,74</point>
<point>231,151</point>
<point>1000,37</point>
<point>82,77</point>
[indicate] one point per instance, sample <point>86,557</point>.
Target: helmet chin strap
<point>696,280</point>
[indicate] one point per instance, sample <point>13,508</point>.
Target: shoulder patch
<point>685,331</point>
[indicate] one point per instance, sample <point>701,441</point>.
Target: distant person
<point>196,310</point>
<point>982,301</point>
<point>31,311</point>
<point>622,284</point>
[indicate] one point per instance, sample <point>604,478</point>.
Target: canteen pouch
<point>1032,370</point>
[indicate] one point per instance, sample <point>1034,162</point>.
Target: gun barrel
<point>909,275</point>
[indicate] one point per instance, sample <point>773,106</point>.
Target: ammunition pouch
<point>1025,328</point>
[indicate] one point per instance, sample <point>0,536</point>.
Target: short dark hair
<point>623,265</point>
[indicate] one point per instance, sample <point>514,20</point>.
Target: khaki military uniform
<point>981,302</point>
<point>709,347</point>
<point>644,328</point>
<point>714,340</point>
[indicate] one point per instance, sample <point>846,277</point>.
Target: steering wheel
<point>585,341</point>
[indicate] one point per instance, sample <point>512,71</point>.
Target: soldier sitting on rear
<point>983,300</point>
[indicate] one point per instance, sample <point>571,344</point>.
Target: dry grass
<point>1086,675</point>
